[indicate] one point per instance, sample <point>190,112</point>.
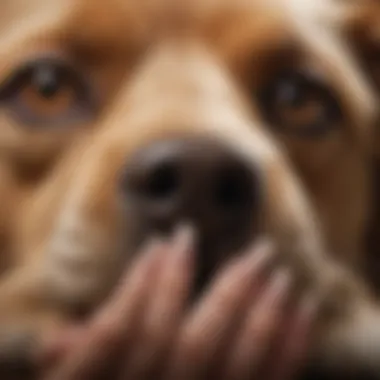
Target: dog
<point>121,120</point>
<point>359,31</point>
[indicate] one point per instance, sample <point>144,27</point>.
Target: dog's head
<point>121,119</point>
<point>359,31</point>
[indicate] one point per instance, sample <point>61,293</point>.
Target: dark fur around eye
<point>47,76</point>
<point>300,104</point>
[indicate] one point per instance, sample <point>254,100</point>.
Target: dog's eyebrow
<point>257,65</point>
<point>100,28</point>
<point>97,27</point>
<point>282,53</point>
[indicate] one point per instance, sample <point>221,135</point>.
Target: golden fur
<point>359,31</point>
<point>160,70</point>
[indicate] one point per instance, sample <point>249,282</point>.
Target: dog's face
<point>357,26</point>
<point>122,119</point>
<point>359,30</point>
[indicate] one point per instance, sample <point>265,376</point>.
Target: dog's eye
<point>47,92</point>
<point>300,104</point>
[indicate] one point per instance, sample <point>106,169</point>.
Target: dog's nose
<point>194,180</point>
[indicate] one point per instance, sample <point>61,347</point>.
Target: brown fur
<point>360,31</point>
<point>161,70</point>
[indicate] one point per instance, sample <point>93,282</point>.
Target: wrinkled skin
<point>244,324</point>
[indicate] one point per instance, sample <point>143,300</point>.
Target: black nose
<point>198,181</point>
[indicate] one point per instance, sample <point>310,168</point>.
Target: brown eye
<point>300,104</point>
<point>47,92</point>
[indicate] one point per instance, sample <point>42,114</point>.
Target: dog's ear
<point>360,28</point>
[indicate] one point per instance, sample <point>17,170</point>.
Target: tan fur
<point>360,32</point>
<point>161,70</point>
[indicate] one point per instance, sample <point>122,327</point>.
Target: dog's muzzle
<point>197,181</point>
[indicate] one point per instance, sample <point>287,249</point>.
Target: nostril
<point>163,182</point>
<point>233,190</point>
